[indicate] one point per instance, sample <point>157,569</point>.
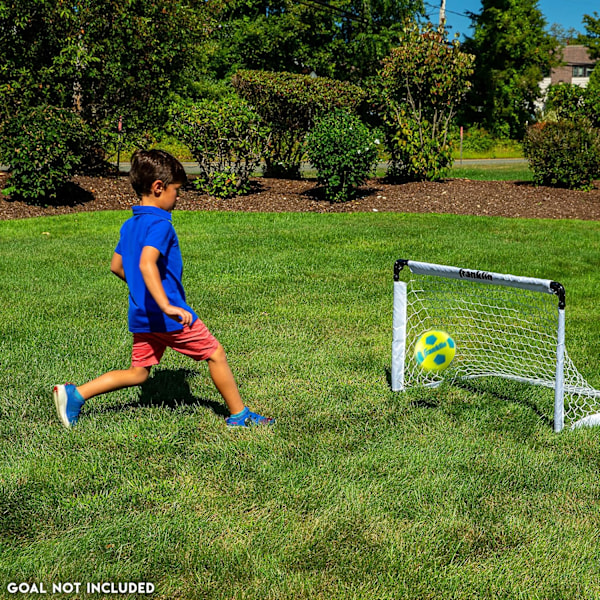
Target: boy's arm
<point>151,275</point>
<point>116,266</point>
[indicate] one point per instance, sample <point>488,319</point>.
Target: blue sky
<point>568,13</point>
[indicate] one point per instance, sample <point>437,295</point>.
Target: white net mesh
<point>499,331</point>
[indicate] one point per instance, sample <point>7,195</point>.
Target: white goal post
<point>503,326</point>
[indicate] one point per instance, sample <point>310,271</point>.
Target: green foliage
<point>43,147</point>
<point>574,103</point>
<point>289,104</point>
<point>513,52</point>
<point>477,139</point>
<point>563,154</point>
<point>421,84</point>
<point>104,58</point>
<point>591,38</point>
<point>344,152</point>
<point>221,184</point>
<point>227,139</point>
<point>567,101</point>
<point>342,40</point>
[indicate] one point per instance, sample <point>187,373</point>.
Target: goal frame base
<point>589,421</point>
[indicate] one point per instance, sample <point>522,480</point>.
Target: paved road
<point>192,168</point>
<point>489,161</point>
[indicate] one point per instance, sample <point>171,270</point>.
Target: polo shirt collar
<point>151,210</point>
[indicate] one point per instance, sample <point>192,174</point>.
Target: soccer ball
<point>434,350</point>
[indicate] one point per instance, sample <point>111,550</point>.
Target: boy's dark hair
<point>148,166</point>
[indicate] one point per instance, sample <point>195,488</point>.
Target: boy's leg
<point>147,350</point>
<point>114,380</point>
<point>224,381</point>
<point>69,399</point>
<point>198,343</point>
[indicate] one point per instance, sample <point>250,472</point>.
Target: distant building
<point>576,69</point>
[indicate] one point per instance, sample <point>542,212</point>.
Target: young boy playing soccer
<point>148,259</point>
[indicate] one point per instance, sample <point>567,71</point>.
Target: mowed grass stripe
<point>358,492</point>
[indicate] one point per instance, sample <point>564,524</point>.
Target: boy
<point>148,259</point>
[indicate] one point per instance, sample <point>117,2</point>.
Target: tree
<point>513,53</point>
<point>103,58</point>
<point>342,39</point>
<point>591,38</point>
<point>562,35</point>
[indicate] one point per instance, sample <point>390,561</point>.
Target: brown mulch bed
<point>457,196</point>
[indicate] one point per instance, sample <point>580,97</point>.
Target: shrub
<point>226,138</point>
<point>572,102</point>
<point>344,152</point>
<point>43,147</point>
<point>222,184</point>
<point>289,104</point>
<point>476,139</point>
<point>566,101</point>
<point>563,153</point>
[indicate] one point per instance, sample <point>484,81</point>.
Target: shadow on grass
<point>169,389</point>
<point>506,391</point>
<point>512,392</point>
<point>416,402</point>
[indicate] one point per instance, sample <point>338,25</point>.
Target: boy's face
<point>170,195</point>
<point>165,197</point>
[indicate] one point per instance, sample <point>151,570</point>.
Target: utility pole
<point>442,14</point>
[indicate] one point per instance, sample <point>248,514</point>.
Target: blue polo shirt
<point>151,226</point>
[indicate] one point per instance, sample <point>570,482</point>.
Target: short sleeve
<point>160,235</point>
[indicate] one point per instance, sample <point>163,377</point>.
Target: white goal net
<point>503,326</point>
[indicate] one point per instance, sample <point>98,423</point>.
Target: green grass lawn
<point>506,149</point>
<point>500,171</point>
<point>357,492</point>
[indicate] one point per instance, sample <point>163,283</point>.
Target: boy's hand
<point>179,314</point>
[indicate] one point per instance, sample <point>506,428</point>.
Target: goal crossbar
<point>524,335</point>
<point>526,283</point>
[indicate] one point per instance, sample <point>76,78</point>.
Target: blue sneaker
<point>68,403</point>
<point>248,419</point>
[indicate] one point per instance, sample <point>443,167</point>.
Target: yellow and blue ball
<point>434,350</point>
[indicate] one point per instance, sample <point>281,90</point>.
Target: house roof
<point>576,55</point>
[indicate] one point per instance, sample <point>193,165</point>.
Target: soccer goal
<point>503,325</point>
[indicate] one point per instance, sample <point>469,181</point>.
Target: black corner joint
<point>559,290</point>
<point>398,266</point>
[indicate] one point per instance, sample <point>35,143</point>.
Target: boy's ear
<point>157,187</point>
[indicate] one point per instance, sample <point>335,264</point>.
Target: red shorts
<point>195,341</point>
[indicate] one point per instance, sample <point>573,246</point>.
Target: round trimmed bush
<point>343,150</point>
<point>564,153</point>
